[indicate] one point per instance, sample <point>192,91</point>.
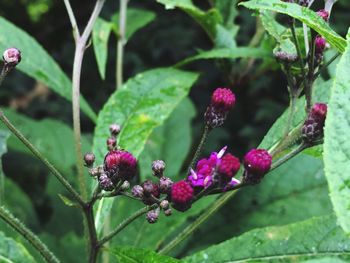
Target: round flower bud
<point>11,57</point>
<point>164,204</point>
<point>150,192</point>
<point>137,191</point>
<point>111,143</point>
<point>125,186</point>
<point>114,129</point>
<point>94,171</point>
<point>312,129</point>
<point>152,216</point>
<point>89,159</point>
<point>221,103</point>
<point>158,167</point>
<point>181,195</point>
<point>168,212</point>
<point>165,184</point>
<point>257,163</point>
<point>120,164</point>
<point>105,182</point>
<point>229,166</point>
<point>320,45</point>
<point>324,14</point>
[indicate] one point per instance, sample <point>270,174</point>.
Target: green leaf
<point>136,19</point>
<point>233,53</point>
<point>100,35</point>
<point>303,14</point>
<point>67,201</point>
<point>137,255</point>
<point>37,63</point>
<point>13,252</point>
<point>140,105</point>
<point>208,20</point>
<point>4,134</point>
<point>313,238</point>
<point>170,142</point>
<point>337,142</point>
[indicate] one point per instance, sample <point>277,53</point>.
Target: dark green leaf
<point>37,63</point>
<point>137,255</point>
<point>303,14</point>
<point>100,36</point>
<point>337,142</point>
<point>313,238</point>
<point>139,106</point>
<point>233,53</point>
<point>136,19</point>
<point>13,252</point>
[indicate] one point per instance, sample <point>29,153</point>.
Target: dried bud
<point>111,143</point>
<point>105,182</point>
<point>165,184</point>
<point>164,204</point>
<point>11,57</point>
<point>125,186</point>
<point>257,163</point>
<point>168,212</point>
<point>89,159</point>
<point>152,216</point>
<point>158,168</point>
<point>313,126</point>
<point>137,191</point>
<point>222,102</point>
<point>285,57</point>
<point>120,164</point>
<point>324,14</point>
<point>114,129</point>
<point>181,195</point>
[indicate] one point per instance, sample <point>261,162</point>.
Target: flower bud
<point>89,159</point>
<point>125,186</point>
<point>312,129</point>
<point>320,45</point>
<point>150,192</point>
<point>111,143</point>
<point>257,163</point>
<point>114,129</point>
<point>221,103</point>
<point>158,168</point>
<point>11,57</point>
<point>324,14</point>
<point>164,204</point>
<point>137,191</point>
<point>284,57</point>
<point>165,184</point>
<point>228,167</point>
<point>120,165</point>
<point>181,195</point>
<point>152,216</point>
<point>105,182</point>
<point>168,212</point>
<point>94,171</point>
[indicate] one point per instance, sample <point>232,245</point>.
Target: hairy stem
<point>200,146</point>
<point>121,42</point>
<point>28,235</point>
<point>126,222</point>
<point>32,148</point>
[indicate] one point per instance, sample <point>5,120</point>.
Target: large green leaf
<point>208,20</point>
<point>4,134</point>
<point>137,255</point>
<point>170,142</point>
<point>232,53</point>
<point>136,19</point>
<point>139,106</point>
<point>37,63</point>
<point>337,142</point>
<point>13,252</point>
<point>100,36</point>
<point>313,238</point>
<point>303,14</point>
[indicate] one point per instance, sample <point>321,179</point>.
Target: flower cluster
<point>312,130</point>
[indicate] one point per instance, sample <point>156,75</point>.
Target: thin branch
<point>28,235</point>
<point>326,65</point>
<point>200,146</point>
<point>76,33</point>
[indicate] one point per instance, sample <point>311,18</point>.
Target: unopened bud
<point>158,167</point>
<point>324,14</point>
<point>105,182</point>
<point>152,216</point>
<point>111,143</point>
<point>165,184</point>
<point>11,57</point>
<point>164,204</point>
<point>313,126</point>
<point>125,186</point>
<point>137,191</point>
<point>168,212</point>
<point>89,159</point>
<point>285,57</point>
<point>114,129</point>
<point>94,171</point>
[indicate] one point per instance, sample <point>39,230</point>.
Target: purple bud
<point>111,143</point>
<point>150,188</point>
<point>285,57</point>
<point>165,184</point>
<point>114,129</point>
<point>158,168</point>
<point>89,159</point>
<point>152,216</point>
<point>11,57</point>
<point>105,182</point>
<point>137,191</point>
<point>313,126</point>
<point>168,212</point>
<point>164,204</point>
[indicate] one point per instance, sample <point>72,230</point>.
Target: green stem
<point>32,148</point>
<point>126,222</point>
<point>288,156</point>
<point>326,65</point>
<point>200,146</point>
<point>301,61</point>
<point>28,235</point>
<point>94,248</point>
